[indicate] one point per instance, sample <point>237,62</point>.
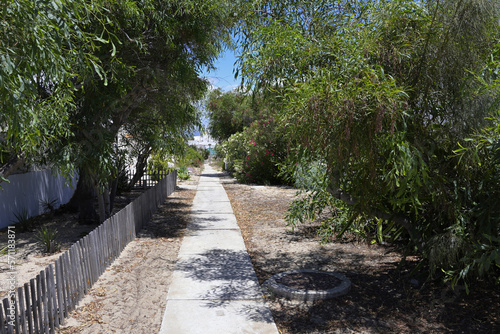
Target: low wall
<point>27,191</point>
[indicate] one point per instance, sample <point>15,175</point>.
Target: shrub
<point>265,151</point>
<point>47,237</point>
<point>205,153</point>
<point>193,158</point>
<point>158,161</point>
<point>23,221</point>
<point>233,151</point>
<point>49,205</point>
<point>183,173</point>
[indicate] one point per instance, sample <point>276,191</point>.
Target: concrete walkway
<point>214,289</point>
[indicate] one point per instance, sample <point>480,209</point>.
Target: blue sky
<point>223,76</point>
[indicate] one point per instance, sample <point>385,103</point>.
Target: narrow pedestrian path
<point>214,289</point>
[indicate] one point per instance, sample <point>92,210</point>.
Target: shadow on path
<point>234,281</point>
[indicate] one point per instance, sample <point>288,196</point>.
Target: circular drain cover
<point>308,285</point>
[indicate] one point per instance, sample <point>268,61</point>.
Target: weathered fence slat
<point>88,261</point>
<point>82,262</point>
<point>75,266</point>
<point>64,284</point>
<point>109,234</point>
<point>74,274</point>
<point>2,321</point>
<point>28,307</point>
<point>17,310</point>
<point>80,274</point>
<point>68,284</point>
<point>60,292</point>
<point>118,235</point>
<point>111,239</point>
<point>53,299</point>
<point>39,303</point>
<point>99,247</point>
<point>104,238</point>
<point>34,307</point>
<point>22,310</point>
<point>49,311</point>
<point>7,313</point>
<point>129,227</point>
<point>105,243</point>
<point>92,257</point>
<point>43,298</point>
<point>73,278</point>
<point>95,255</point>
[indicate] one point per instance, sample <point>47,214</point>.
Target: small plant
<point>23,221</point>
<point>4,251</point>
<point>183,173</point>
<point>49,205</point>
<point>47,236</point>
<point>21,216</point>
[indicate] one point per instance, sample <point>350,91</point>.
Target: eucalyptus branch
<point>398,218</point>
<point>14,163</point>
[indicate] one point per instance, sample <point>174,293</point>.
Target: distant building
<point>204,141</point>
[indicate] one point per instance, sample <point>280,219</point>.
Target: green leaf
<point>99,39</point>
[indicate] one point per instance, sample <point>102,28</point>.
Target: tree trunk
<point>107,202</point>
<point>103,202</point>
<point>102,210</point>
<point>84,199</point>
<point>140,167</point>
<point>112,195</point>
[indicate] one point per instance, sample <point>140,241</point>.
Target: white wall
<point>25,191</point>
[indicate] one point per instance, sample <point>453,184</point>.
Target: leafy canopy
<point>378,94</point>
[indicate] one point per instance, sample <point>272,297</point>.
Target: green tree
<point>252,143</point>
<point>100,63</point>
<point>379,93</point>
<point>228,113</point>
<point>40,69</point>
<point>160,48</point>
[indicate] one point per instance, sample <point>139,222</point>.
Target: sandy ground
<point>130,297</point>
<point>29,256</point>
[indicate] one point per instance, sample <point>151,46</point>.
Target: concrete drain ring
<point>278,287</point>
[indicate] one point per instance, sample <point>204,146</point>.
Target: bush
<point>23,221</point>
<point>158,161</point>
<point>183,173</point>
<point>193,157</point>
<point>47,237</point>
<point>233,151</point>
<point>205,153</point>
<point>49,205</point>
<point>256,153</point>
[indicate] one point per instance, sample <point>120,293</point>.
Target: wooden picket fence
<point>41,305</point>
<point>149,179</point>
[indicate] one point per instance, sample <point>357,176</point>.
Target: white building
<point>203,141</point>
